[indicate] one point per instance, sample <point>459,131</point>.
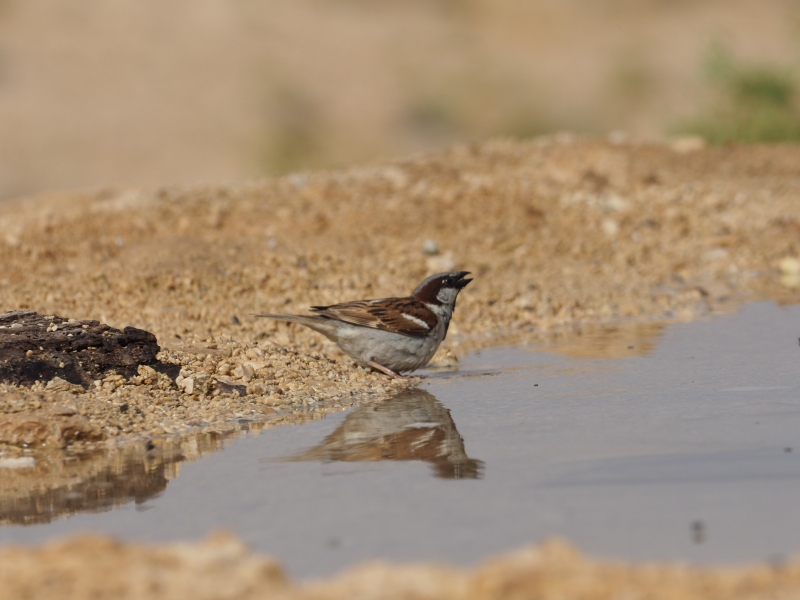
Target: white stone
<point>610,227</point>
<point>430,247</point>
<point>789,266</point>
<point>186,384</point>
<point>22,462</point>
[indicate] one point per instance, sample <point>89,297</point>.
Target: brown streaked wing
<point>386,314</point>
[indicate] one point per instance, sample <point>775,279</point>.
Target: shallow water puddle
<point>644,443</point>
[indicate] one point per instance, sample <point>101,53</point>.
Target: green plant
<point>752,104</point>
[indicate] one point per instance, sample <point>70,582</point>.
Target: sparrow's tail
<point>315,323</point>
<point>302,319</point>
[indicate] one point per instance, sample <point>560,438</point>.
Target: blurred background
<point>121,93</point>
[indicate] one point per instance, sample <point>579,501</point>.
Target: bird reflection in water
<point>412,425</point>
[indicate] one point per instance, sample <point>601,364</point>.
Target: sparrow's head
<point>442,288</point>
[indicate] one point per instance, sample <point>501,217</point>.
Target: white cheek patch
<point>419,322</point>
<point>445,295</point>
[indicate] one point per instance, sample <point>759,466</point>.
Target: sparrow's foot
<point>385,370</point>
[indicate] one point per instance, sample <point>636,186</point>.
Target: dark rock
<point>37,348</point>
<point>168,369</point>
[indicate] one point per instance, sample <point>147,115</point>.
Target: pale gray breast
<point>445,313</point>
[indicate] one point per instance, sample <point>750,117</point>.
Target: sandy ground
<point>221,568</point>
<point>562,234</point>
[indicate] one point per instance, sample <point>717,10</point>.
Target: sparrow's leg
<point>383,369</point>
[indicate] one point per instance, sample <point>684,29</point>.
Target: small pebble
<point>430,247</point>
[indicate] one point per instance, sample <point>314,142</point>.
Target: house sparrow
<point>391,335</point>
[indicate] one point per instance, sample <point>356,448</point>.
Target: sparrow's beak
<point>462,280</point>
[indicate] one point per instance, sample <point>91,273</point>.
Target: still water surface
<point>681,442</point>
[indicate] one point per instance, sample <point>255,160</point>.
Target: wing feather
<point>401,315</point>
